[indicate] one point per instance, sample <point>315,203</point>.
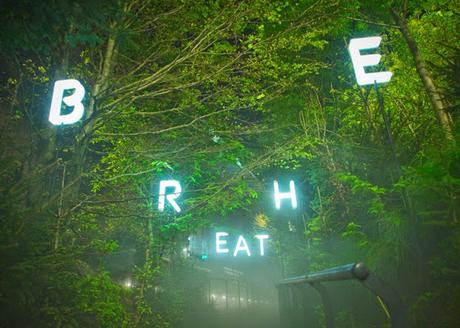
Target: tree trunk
<point>83,138</point>
<point>430,87</point>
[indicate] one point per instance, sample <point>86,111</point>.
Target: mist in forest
<point>187,163</point>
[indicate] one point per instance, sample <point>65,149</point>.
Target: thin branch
<point>172,128</point>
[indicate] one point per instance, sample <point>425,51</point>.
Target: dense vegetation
<point>222,95</point>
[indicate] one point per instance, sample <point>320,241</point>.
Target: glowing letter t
<point>261,240</point>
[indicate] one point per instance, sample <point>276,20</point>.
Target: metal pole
<point>327,306</point>
<point>209,291</point>
<point>239,295</point>
<point>247,295</point>
<point>386,122</point>
<point>226,295</point>
<point>355,271</point>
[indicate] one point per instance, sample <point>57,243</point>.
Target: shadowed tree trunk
<point>435,96</point>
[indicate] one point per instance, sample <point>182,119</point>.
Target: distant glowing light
<point>361,61</point>
<point>261,243</point>
<point>171,198</point>
<point>220,242</point>
<point>74,100</point>
<point>241,245</point>
<point>128,283</point>
<point>285,195</point>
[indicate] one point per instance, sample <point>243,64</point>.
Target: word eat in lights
<point>75,100</point>
<point>241,244</point>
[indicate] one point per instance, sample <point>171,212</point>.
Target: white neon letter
<point>261,240</point>
<point>360,61</point>
<point>171,197</point>
<point>221,242</point>
<point>241,245</point>
<point>281,195</point>
<point>74,100</point>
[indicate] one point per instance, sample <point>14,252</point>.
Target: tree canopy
<point>224,96</point>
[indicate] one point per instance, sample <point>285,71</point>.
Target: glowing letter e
<point>281,195</point>
<point>360,61</point>
<point>220,242</point>
<point>74,100</point>
<point>171,197</point>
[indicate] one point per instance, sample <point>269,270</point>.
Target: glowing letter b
<point>74,100</point>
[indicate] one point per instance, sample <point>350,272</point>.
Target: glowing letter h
<point>282,195</point>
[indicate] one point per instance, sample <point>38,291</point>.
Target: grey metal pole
<point>226,295</point>
<point>247,295</point>
<point>209,291</point>
<point>354,271</point>
<point>386,122</point>
<point>239,295</point>
<point>327,306</point>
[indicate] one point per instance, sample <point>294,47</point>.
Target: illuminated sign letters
<point>73,100</point>
<point>361,61</point>
<point>220,242</point>
<point>241,244</point>
<point>261,243</point>
<point>170,197</point>
<point>285,195</point>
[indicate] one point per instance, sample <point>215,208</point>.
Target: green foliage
<point>222,96</point>
<point>100,296</point>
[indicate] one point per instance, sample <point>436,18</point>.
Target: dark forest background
<point>223,96</point>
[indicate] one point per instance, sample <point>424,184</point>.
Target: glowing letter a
<point>241,245</point>
<point>74,100</point>
<point>360,61</point>
<point>171,197</point>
